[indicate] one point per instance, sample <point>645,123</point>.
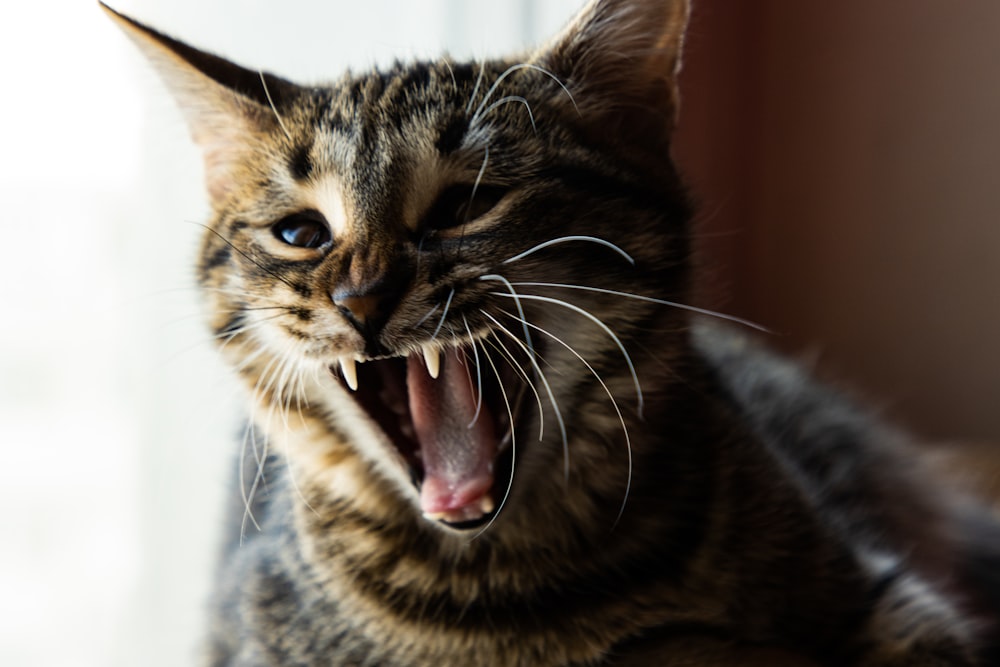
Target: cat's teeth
<point>432,356</point>
<point>468,513</point>
<point>350,372</point>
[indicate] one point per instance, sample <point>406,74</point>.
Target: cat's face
<point>412,243</point>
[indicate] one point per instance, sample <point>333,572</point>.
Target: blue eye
<point>307,229</point>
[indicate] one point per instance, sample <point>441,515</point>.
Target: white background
<point>117,424</point>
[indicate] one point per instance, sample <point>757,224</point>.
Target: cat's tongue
<point>457,457</point>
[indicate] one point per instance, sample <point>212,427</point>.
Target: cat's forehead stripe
<point>326,195</point>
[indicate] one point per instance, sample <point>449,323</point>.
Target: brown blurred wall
<point>846,161</point>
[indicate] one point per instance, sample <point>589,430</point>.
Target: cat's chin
<point>448,413</point>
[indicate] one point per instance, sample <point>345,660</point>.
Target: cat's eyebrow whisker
<point>564,239</point>
<point>447,64</point>
<point>614,404</point>
<point>513,98</point>
<point>548,391</point>
<point>513,447</point>
<point>475,89</point>
<point>270,101</point>
<point>511,70</point>
<point>673,304</point>
<point>593,318</point>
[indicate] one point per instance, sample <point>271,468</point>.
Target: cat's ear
<point>620,60</point>
<point>226,105</point>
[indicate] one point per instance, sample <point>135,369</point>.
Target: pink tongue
<point>457,458</point>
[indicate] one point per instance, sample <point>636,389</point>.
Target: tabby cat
<point>486,431</point>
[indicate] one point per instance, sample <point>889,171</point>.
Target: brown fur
<point>734,513</point>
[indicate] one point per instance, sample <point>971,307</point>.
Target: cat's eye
<point>461,204</point>
<point>306,229</point>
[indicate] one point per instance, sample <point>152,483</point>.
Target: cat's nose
<point>367,311</point>
<point>360,309</point>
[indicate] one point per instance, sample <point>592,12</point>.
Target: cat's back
<point>870,484</point>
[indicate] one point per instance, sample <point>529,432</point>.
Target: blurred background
<point>845,156</point>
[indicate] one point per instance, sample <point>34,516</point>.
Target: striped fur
<point>709,505</point>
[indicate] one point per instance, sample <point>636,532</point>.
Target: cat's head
<point>436,250</point>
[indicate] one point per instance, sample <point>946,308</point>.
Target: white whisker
<point>427,316</point>
<point>598,322</point>
<point>497,345</point>
<point>270,101</point>
<point>639,297</point>
<point>513,293</point>
<point>614,404</point>
<point>511,70</point>
<point>564,239</point>
<point>475,89</point>
<point>513,98</point>
<point>548,391</point>
<point>479,374</point>
<point>247,495</point>
<point>513,448</point>
<point>447,304</point>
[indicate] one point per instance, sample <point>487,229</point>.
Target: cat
<point>486,429</point>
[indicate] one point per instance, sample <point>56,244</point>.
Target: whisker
<point>447,64</point>
<point>517,303</point>
<point>270,101</point>
<point>475,89</point>
<point>548,390</point>
<point>564,239</point>
<point>247,495</point>
<point>614,404</point>
<point>498,345</point>
<point>447,304</point>
<point>247,257</point>
<point>479,374</point>
<point>513,448</point>
<point>513,98</point>
<point>598,322</point>
<point>639,297</point>
<point>427,316</point>
<point>511,70</point>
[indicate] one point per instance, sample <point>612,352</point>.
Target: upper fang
<point>350,372</point>
<point>432,356</point>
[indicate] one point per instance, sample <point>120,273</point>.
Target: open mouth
<point>448,412</point>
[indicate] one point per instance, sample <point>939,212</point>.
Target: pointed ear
<point>620,59</point>
<point>226,105</point>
